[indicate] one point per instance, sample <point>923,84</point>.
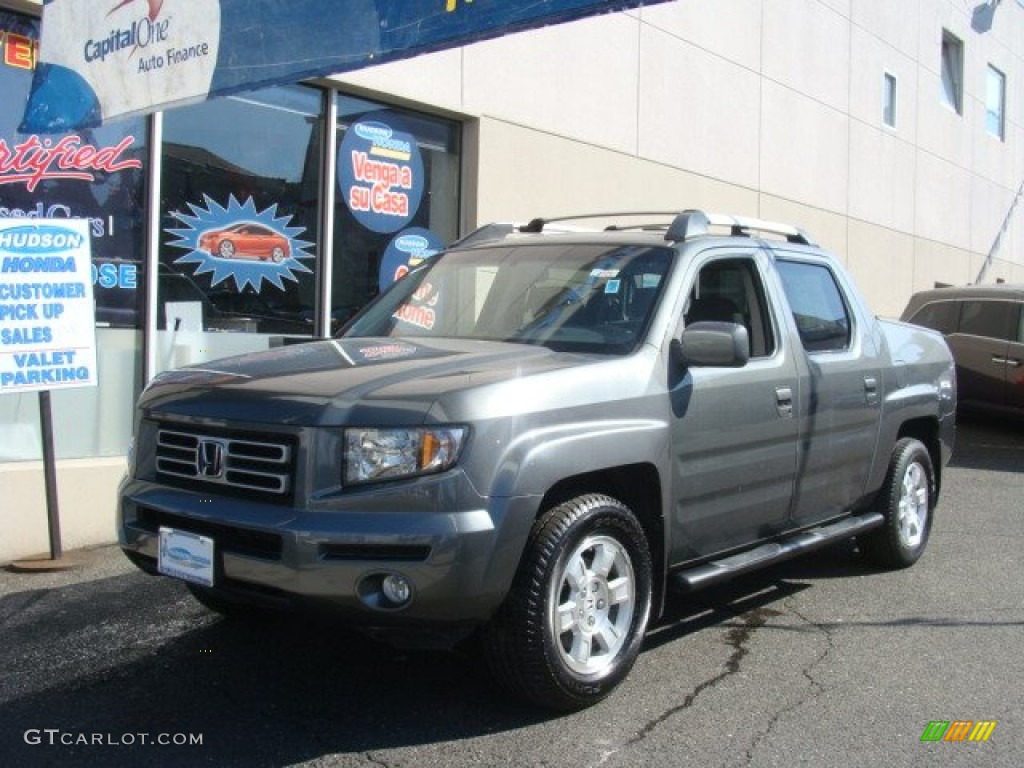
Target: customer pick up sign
<point>47,334</point>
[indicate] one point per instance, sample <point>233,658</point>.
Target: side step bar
<point>773,552</point>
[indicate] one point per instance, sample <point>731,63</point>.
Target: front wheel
<point>906,500</point>
<point>573,622</point>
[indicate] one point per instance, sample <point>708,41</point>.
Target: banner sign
<point>101,59</point>
<point>96,175</point>
<point>407,250</point>
<point>47,336</point>
<point>380,173</point>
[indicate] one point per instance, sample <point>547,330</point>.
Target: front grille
<point>229,460</point>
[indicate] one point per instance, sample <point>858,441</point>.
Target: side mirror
<point>714,345</point>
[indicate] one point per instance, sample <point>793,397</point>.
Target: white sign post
<point>47,329</point>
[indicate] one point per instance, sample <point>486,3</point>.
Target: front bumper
<point>458,550</point>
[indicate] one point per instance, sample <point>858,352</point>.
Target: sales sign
<point>47,334</point>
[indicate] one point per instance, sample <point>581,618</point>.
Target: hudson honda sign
<point>101,59</point>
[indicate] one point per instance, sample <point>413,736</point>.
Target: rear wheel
<point>573,622</point>
<point>906,500</point>
<point>226,249</point>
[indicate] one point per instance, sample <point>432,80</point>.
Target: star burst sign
<point>215,218</point>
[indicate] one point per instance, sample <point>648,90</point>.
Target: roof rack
<point>685,225</point>
<point>537,225</point>
<point>695,223</point>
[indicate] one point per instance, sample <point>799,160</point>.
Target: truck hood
<point>379,381</point>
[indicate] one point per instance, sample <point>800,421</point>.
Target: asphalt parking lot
<point>822,661</point>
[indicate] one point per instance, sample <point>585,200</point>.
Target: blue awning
<point>103,59</point>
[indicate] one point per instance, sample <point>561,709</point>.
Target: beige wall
<point>759,107</point>
<point>86,496</point>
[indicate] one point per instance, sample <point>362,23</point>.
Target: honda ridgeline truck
<point>537,433</point>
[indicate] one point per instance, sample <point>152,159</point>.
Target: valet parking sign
<point>47,334</point>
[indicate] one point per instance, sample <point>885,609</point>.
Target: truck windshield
<point>568,297</point>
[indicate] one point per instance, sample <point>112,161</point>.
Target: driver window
<point>731,291</point>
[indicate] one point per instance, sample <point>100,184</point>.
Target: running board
<point>774,552</point>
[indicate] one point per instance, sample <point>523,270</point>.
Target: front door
<point>734,431</point>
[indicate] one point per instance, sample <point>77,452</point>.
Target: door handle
<point>784,402</point>
<point>871,389</point>
<point>1010,361</point>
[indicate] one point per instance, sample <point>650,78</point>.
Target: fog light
<point>396,588</point>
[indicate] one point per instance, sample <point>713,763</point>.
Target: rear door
<point>981,346</point>
<point>1015,365</point>
<point>839,404</point>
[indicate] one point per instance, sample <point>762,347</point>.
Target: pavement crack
<point>737,637</point>
<point>815,688</point>
<point>12,606</point>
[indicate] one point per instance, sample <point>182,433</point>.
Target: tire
<point>277,255</point>
<point>226,249</point>
<point>573,622</point>
<point>906,500</point>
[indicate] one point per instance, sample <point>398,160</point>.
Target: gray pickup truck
<point>537,433</point>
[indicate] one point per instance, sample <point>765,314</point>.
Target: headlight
<point>388,454</point>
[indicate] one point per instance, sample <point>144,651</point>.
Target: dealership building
<point>893,132</point>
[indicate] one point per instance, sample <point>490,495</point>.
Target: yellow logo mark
<point>451,5</point>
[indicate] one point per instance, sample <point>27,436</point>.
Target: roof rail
<point>682,226</point>
<point>538,224</point>
<point>694,223</point>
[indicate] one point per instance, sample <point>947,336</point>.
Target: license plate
<point>186,556</point>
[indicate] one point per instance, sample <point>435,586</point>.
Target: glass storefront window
<point>97,175</point>
<point>239,207</point>
<point>397,197</point>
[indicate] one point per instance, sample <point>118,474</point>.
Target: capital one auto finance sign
<point>380,172</point>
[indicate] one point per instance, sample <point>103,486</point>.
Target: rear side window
<point>821,315</point>
<point>992,319</point>
<point>938,315</point>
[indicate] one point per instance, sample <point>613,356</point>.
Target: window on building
<point>889,99</point>
<point>239,201</point>
<point>952,72</point>
<point>397,197</point>
<point>995,102</point>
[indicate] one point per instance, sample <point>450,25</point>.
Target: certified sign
<point>47,333</point>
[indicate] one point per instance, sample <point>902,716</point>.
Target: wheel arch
<point>926,431</point>
<point>638,486</point>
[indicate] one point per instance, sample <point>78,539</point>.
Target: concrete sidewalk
<point>86,565</point>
